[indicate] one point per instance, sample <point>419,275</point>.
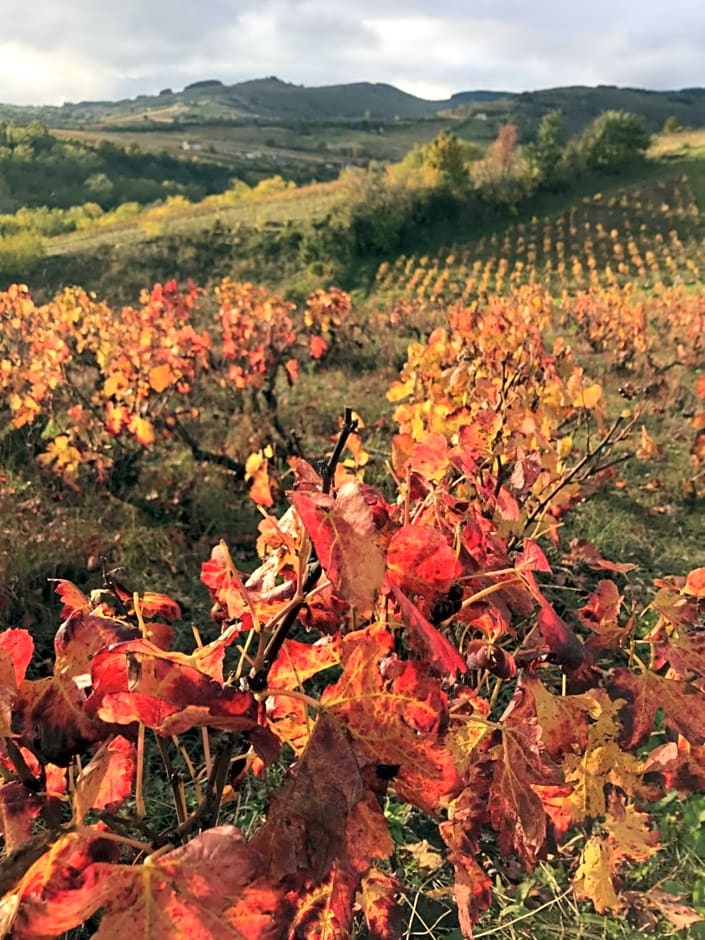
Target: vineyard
<point>649,234</point>
<point>419,701</point>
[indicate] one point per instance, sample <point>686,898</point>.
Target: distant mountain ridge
<point>271,100</point>
<point>266,99</point>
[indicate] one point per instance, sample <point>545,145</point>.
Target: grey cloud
<point>136,46</point>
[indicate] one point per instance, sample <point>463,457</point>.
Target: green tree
<point>445,155</point>
<point>546,151</point>
<point>613,140</point>
<point>99,186</point>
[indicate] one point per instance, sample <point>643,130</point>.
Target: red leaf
<point>342,531</point>
<point>50,716</point>
<point>467,817</point>
<point>50,719</point>
<point>137,681</point>
<point>425,639</point>
<point>643,694</point>
<point>560,639</point>
<point>420,561</point>
<point>305,828</point>
<point>480,654</point>
<point>516,811</point>
<point>323,830</point>
<point>602,609</point>
<point>80,637</point>
<point>533,558</point>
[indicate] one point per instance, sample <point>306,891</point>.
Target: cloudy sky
<point>67,50</point>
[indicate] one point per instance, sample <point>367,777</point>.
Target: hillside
<point>273,101</point>
<point>265,99</point>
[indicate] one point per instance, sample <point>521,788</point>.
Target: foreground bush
<point>407,647</point>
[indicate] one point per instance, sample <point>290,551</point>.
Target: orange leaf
<point>292,369</point>
<point>136,681</point>
<point>395,713</point>
<point>161,377</point>
<point>106,781</point>
<point>19,645</point>
<point>72,598</point>
<point>210,889</point>
<point>317,346</point>
<point>159,605</point>
<point>695,583</point>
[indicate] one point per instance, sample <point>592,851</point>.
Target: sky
<point>53,51</point>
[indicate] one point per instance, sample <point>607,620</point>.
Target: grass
<point>304,203</point>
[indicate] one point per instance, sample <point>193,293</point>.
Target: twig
<point>206,813</point>
<point>257,681</point>
<point>208,456</point>
<point>26,777</point>
<point>173,778</point>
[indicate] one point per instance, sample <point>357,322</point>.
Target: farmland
<point>429,548</point>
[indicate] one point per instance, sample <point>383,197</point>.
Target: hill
<point>271,101</point>
<point>581,104</point>
<point>264,99</point>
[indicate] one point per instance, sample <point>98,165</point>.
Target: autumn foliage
<point>411,644</point>
<point>104,386</point>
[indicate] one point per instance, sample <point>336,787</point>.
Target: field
<point>407,586</point>
<point>335,144</point>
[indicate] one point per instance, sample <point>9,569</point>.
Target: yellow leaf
<point>629,833</point>
<point>593,879</point>
<point>565,446</point>
<point>142,429</point>
<point>252,464</point>
<point>648,448</point>
<point>588,397</point>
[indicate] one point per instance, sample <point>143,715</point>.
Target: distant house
<point>480,116</point>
